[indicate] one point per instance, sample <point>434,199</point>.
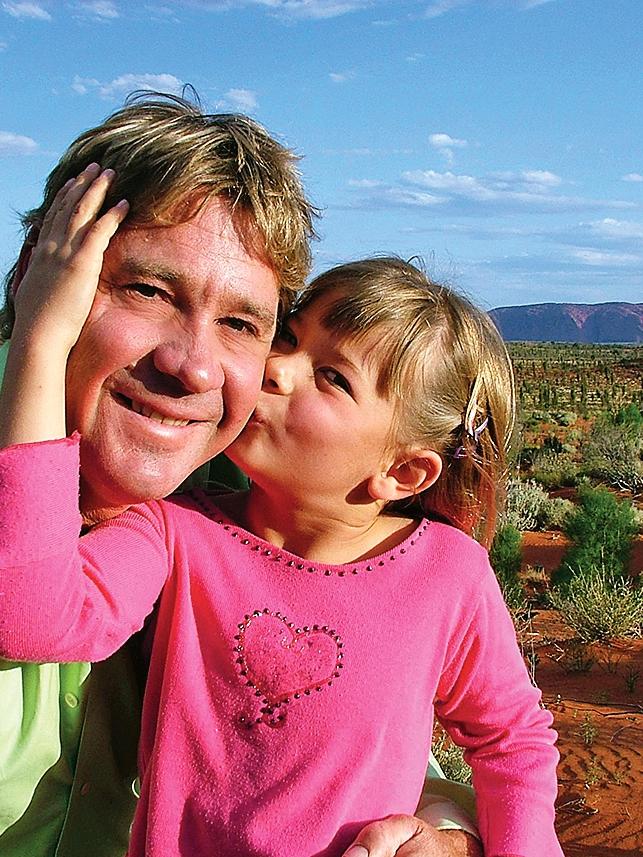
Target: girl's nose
<point>279,374</point>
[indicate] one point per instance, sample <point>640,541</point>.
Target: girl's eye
<point>336,379</point>
<point>285,337</point>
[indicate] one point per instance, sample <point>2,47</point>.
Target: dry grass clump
<point>600,606</point>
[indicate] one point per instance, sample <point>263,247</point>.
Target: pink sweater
<point>288,702</point>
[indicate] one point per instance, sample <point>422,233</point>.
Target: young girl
<point>307,627</point>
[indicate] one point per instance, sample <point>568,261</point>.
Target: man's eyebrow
<point>166,274</point>
<point>138,268</point>
<point>261,313</point>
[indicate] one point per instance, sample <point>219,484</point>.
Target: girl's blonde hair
<point>446,366</point>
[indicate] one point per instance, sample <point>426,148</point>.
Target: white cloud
<point>341,76</point>
<point>599,258</point>
<point>529,190</point>
<point>466,185</point>
<point>632,177</point>
<point>540,177</point>
<point>324,9</point>
<point>531,4</point>
<point>243,100</point>
<point>27,10</point>
<point>441,7</point>
<point>102,9</point>
<point>317,9</point>
<point>533,181</point>
<point>445,144</point>
<point>437,8</point>
<point>368,183</point>
<point>127,83</point>
<point>312,9</point>
<point>16,144</point>
<point>616,230</point>
<point>439,141</point>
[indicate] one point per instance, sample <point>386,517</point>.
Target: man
<point>163,377</point>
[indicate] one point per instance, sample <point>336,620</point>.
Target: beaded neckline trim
<point>295,563</point>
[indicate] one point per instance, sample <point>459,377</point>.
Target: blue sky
<point>501,140</point>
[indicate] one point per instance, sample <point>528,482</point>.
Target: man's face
<point>169,364</point>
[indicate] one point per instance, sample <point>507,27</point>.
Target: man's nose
<point>193,358</point>
<point>279,374</point>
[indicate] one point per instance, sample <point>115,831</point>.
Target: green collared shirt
<point>68,737</point>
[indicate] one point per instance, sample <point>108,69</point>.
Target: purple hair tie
<point>474,434</point>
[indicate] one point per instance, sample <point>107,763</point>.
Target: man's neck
<point>95,508</point>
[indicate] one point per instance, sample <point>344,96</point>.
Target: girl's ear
<point>406,476</point>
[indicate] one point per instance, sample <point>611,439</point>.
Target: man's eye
<point>145,290</point>
<point>336,379</point>
<point>239,324</point>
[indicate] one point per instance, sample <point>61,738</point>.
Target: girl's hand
<point>409,836</point>
<point>52,303</point>
<point>57,291</point>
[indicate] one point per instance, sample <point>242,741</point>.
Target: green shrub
<point>599,607</point>
<point>602,530</point>
<point>505,558</point>
<point>556,512</point>
<point>450,758</point>
<point>525,504</point>
<point>554,469</point>
<point>613,451</point>
<point>565,418</point>
<point>529,507</point>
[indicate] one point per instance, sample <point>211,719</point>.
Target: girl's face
<point>320,425</point>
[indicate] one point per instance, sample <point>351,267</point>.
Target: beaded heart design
<point>283,663</point>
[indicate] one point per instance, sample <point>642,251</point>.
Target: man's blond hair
<point>171,158</point>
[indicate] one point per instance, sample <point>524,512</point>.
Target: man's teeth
<point>154,415</point>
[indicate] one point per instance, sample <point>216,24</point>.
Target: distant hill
<point>610,322</point>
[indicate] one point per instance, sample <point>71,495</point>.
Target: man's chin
<point>105,493</point>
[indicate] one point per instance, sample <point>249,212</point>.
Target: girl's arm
<point>488,705</point>
<point>52,304</point>
<point>65,598</point>
<point>61,597</point>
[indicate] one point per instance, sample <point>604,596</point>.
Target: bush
<point>450,758</point>
<point>505,558</point>
<point>525,504</point>
<point>554,469</point>
<point>556,513</point>
<point>565,418</point>
<point>613,451</point>
<point>602,530</point>
<point>599,607</point>
<point>529,507</point>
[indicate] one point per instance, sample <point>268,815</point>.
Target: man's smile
<point>163,413</point>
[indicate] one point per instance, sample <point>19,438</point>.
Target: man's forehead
<point>198,261</point>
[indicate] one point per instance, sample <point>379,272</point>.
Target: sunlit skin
<point>319,448</point>
<point>180,326</point>
<point>165,371</point>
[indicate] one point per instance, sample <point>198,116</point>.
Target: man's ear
<point>24,258</point>
<point>406,476</point>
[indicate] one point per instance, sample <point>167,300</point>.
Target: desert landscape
<point>595,694</point>
<point>575,512</point>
